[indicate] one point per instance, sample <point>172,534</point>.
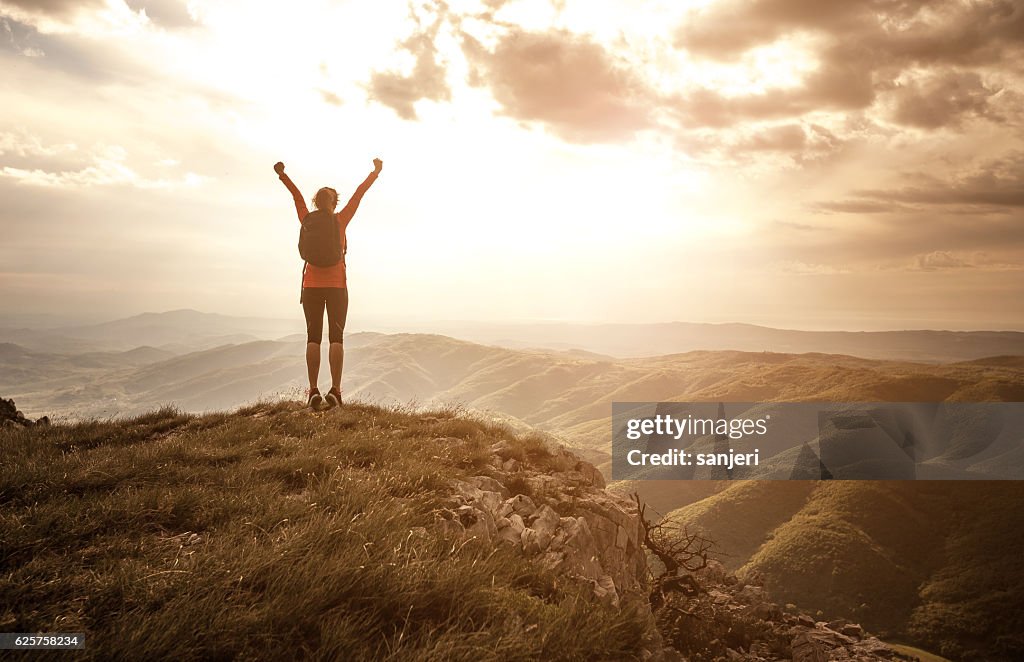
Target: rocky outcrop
<point>558,513</point>
<point>11,417</point>
<point>563,518</point>
<point>758,629</point>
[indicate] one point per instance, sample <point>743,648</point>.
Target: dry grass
<point>275,534</point>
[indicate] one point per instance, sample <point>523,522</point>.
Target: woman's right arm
<point>300,204</point>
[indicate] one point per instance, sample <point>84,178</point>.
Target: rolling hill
<point>929,563</point>
<point>935,563</point>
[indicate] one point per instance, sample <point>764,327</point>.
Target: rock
<point>502,449</point>
<point>507,532</point>
<point>591,474</point>
<point>542,484</point>
<point>873,646</point>
<point>751,594</point>
<point>477,523</point>
<point>852,630</point>
<point>805,620</point>
<point>542,527</point>
<point>492,501</point>
<point>808,649</point>
<point>510,466</point>
<point>718,597</point>
<point>532,543</point>
<point>714,572</point>
<point>489,484</point>
<point>605,590</point>
<point>522,505</point>
<point>449,527</point>
<point>766,611</point>
<point>11,416</point>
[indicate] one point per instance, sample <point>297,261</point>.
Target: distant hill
<point>189,330</point>
<point>937,563</point>
<point>624,340</point>
<point>561,392</point>
<point>180,330</point>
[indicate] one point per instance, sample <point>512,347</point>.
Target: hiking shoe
<point>315,399</point>
<point>333,398</point>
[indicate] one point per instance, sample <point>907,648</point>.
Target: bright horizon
<point>774,163</point>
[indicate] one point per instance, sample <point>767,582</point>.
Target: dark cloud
<point>915,239</point>
<point>72,54</point>
<point>427,80</point>
<point>567,82</point>
<point>920,31</point>
<point>792,142</point>
<point>994,183</point>
<point>995,187</point>
<point>19,38</point>
<point>169,14</point>
<point>728,29</point>
<point>54,7</point>
<point>943,100</point>
<point>936,260</point>
<point>858,207</point>
<point>863,50</point>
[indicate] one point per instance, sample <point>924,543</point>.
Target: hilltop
<point>361,533</point>
<point>276,533</point>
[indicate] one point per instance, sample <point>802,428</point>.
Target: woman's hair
<point>326,199</point>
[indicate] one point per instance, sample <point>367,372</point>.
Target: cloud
<point>71,53</point>
<point>993,184</point>
<point>857,207</point>
<point>171,14</point>
<point>428,79</point>
<point>60,8</point>
<point>330,97</point>
<point>24,144</point>
<point>943,99</point>
<point>940,260</point>
<point>808,268</point>
<point>864,50</point>
<point>567,82</point>
<point>105,167</point>
<point>947,260</point>
<point>920,31</point>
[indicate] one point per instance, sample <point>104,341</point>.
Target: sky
<point>800,164</point>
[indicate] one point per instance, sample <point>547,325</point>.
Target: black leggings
<point>335,300</point>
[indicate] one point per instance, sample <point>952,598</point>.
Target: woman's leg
<point>337,314</point>
<point>313,304</point>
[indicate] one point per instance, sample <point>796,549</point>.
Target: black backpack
<point>320,239</point>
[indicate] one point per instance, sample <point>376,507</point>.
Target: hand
<point>377,165</point>
<point>279,168</point>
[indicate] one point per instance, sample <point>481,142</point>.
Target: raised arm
<point>300,204</point>
<point>353,202</point>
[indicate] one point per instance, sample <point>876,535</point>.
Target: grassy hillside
<point>275,533</point>
<point>936,563</point>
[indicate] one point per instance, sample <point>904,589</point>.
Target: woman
<point>326,288</point>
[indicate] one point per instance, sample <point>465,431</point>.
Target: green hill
<point>935,563</point>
